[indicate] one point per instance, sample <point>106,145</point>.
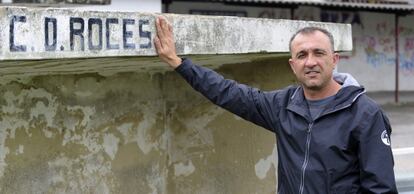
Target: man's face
<point>313,60</point>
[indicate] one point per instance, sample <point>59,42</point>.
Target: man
<point>331,137</point>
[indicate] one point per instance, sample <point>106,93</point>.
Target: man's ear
<point>292,64</point>
<point>335,59</point>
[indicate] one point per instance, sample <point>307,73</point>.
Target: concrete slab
<point>56,33</point>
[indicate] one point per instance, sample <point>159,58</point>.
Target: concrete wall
<point>135,132</point>
<point>373,58</point>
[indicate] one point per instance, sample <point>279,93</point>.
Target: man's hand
<point>164,43</point>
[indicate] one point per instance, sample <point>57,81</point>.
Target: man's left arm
<point>376,159</point>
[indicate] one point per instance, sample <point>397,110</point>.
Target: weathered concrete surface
<point>46,33</point>
<point>133,133</point>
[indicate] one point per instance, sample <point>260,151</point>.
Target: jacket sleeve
<point>376,159</point>
<point>237,98</point>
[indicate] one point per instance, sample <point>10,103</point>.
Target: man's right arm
<point>240,99</point>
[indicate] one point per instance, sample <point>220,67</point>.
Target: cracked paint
<point>110,144</point>
<point>87,138</point>
<point>184,169</point>
<point>264,165</point>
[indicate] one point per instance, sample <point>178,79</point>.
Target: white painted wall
<point>406,45</point>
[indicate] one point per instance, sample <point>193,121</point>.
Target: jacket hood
<point>345,79</point>
<point>350,90</point>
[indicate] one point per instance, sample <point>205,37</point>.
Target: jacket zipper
<point>305,162</point>
<point>308,140</point>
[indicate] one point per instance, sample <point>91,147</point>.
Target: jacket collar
<point>297,103</point>
<point>345,97</point>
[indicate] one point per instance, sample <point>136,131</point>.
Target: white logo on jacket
<point>385,138</point>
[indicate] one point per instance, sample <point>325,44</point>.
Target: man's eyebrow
<point>320,50</point>
<point>300,52</point>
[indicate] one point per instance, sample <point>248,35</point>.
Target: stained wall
<point>134,132</point>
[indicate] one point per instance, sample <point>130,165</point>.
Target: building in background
<point>383,32</point>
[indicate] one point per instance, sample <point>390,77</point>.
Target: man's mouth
<point>311,72</point>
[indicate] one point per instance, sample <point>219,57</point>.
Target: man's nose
<point>310,61</point>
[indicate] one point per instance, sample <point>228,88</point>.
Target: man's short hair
<point>310,30</point>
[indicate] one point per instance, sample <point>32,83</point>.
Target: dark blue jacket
<point>343,150</point>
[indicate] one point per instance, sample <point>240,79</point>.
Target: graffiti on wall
<point>380,47</point>
<point>407,56</point>
<point>377,50</point>
<point>406,51</point>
